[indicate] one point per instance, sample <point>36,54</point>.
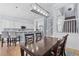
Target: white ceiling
<point>23,9</point>
<point>51,6</point>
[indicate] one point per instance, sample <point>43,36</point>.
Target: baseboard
<point>75,51</point>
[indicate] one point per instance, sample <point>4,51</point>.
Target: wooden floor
<point>76,52</point>
<point>15,50</point>
<point>10,51</point>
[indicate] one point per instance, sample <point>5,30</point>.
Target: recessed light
<point>16,7</point>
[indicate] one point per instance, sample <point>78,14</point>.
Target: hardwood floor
<point>15,50</point>
<point>10,51</point>
<point>76,52</point>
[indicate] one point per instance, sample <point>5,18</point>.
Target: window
<point>70,25</point>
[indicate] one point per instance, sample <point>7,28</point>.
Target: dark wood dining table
<point>40,48</point>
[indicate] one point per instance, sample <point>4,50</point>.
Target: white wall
<point>40,21</point>
<point>78,17</point>
<point>11,22</point>
<point>49,26</point>
<point>73,39</point>
<point>12,17</point>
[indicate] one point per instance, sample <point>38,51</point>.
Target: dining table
<point>40,48</point>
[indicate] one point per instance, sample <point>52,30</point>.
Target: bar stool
<point>13,37</point>
<point>5,38</point>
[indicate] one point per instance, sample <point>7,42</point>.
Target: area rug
<point>69,53</point>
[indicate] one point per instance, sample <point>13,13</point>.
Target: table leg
<point>22,52</point>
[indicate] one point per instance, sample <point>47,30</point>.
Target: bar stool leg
<point>19,39</point>
<point>10,41</point>
<point>7,42</point>
<point>15,41</point>
<point>2,42</point>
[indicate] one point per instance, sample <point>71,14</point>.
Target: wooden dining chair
<point>55,49</point>
<point>59,48</point>
<point>38,36</point>
<point>29,38</point>
<point>64,45</point>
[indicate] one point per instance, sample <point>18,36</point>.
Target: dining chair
<point>64,45</point>
<point>5,38</point>
<point>29,38</point>
<point>59,48</point>
<point>38,36</point>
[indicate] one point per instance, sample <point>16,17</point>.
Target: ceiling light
<point>16,7</point>
<point>46,14</point>
<point>34,7</point>
<point>41,12</point>
<point>38,10</point>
